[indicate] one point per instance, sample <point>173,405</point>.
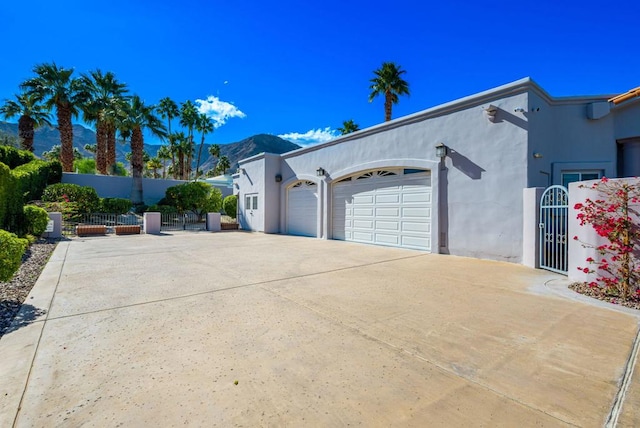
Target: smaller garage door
<point>384,207</point>
<point>302,209</point>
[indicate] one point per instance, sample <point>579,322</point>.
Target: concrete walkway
<point>239,329</point>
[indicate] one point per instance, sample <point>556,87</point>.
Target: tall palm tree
<point>32,116</point>
<point>204,125</point>
<point>164,154</point>
<point>168,109</point>
<point>180,147</point>
<point>349,126</point>
<point>188,119</point>
<point>102,108</point>
<point>223,165</point>
<point>214,151</point>
<point>55,86</point>
<point>388,82</point>
<point>139,118</point>
<point>153,165</point>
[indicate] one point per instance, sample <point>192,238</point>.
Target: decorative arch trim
<point>382,164</point>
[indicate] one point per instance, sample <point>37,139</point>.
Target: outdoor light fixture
<point>278,178</point>
<point>320,172</point>
<point>240,171</point>
<point>537,155</point>
<point>490,111</point>
<point>441,150</point>
<point>519,110</point>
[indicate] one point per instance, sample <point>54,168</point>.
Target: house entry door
<point>554,210</point>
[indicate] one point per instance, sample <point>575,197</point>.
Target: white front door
<point>302,209</point>
<point>384,207</point>
<point>251,210</point>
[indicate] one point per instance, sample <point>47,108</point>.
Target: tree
<point>32,115</point>
<point>349,126</point>
<point>180,147</point>
<point>54,153</point>
<point>214,151</point>
<point>223,165</point>
<point>204,125</point>
<point>164,154</point>
<point>55,86</point>
<point>139,118</point>
<point>168,109</point>
<point>188,119</point>
<point>103,108</point>
<point>153,165</point>
<point>388,82</point>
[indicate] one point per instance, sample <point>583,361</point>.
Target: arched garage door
<point>302,209</point>
<point>384,207</point>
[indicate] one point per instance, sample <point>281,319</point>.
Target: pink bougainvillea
<point>614,216</point>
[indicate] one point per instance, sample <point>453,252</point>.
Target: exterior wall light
<point>537,155</point>
<point>278,178</point>
<point>320,172</point>
<point>441,150</point>
<point>519,110</point>
<point>490,111</point>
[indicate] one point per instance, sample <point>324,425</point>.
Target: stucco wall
<point>251,180</point>
<point>120,187</point>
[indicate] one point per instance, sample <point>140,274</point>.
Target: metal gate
<point>554,210</point>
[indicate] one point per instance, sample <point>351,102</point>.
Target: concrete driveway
<point>239,329</point>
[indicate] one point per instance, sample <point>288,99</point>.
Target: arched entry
<point>554,225</point>
<point>302,208</point>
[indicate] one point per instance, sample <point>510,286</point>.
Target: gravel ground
<point>600,294</point>
<point>14,292</point>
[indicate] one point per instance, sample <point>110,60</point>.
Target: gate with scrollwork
<point>554,244</point>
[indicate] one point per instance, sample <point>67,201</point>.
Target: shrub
<point>115,205</point>
<point>34,177</point>
<point>213,204</point>
<point>230,205</point>
<point>164,209</point>
<point>36,220</point>
<point>84,197</point>
<point>13,157</point>
<point>12,249</point>
<point>85,166</point>
<point>10,200</point>
<point>192,196</point>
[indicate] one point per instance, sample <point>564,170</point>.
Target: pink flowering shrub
<point>614,216</point>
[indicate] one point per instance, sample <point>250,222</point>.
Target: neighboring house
<point>388,185</point>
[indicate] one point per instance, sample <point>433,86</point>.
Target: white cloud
<point>311,137</point>
<point>219,111</point>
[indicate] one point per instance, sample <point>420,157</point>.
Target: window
<point>251,202</point>
<point>255,202</point>
<point>573,176</point>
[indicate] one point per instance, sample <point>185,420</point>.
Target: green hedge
<point>35,176</point>
<point>84,197</point>
<point>13,157</point>
<point>12,249</point>
<point>115,205</point>
<point>36,220</point>
<point>10,200</point>
<point>230,205</point>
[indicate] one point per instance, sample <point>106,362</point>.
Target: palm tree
<point>164,154</point>
<point>32,116</point>
<point>204,125</point>
<point>55,86</point>
<point>168,109</point>
<point>223,165</point>
<point>349,126</point>
<point>214,151</point>
<point>179,147</point>
<point>154,164</point>
<point>103,109</point>
<point>139,118</point>
<point>188,119</point>
<point>388,82</point>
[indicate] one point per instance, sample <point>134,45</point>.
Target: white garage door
<point>385,207</point>
<point>302,209</point>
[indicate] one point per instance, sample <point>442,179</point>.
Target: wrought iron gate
<point>554,210</point>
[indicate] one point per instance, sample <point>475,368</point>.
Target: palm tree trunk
<point>111,149</point>
<point>199,155</point>
<point>26,132</point>
<point>189,157</point>
<point>137,164</point>
<point>101,147</point>
<point>387,107</point>
<point>66,137</point>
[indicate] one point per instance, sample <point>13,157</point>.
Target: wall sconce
<point>320,172</point>
<point>519,110</point>
<point>441,150</point>
<point>240,171</point>
<point>490,111</point>
<point>278,178</point>
<point>537,155</point>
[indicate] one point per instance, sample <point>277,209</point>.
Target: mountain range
<point>46,137</point>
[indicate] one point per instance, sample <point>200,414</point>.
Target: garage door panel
<point>302,211</point>
<point>384,209</point>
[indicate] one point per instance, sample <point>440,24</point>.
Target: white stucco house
<point>448,179</point>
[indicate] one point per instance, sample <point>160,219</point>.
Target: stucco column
<point>213,222</point>
<point>530,226</point>
<point>152,223</point>
<point>54,229</point>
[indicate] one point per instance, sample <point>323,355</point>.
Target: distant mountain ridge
<point>46,137</point>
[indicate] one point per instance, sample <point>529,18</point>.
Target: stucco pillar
<point>530,226</point>
<point>213,222</point>
<point>54,229</point>
<point>152,223</point>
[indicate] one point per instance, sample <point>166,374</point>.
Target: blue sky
<point>294,68</point>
